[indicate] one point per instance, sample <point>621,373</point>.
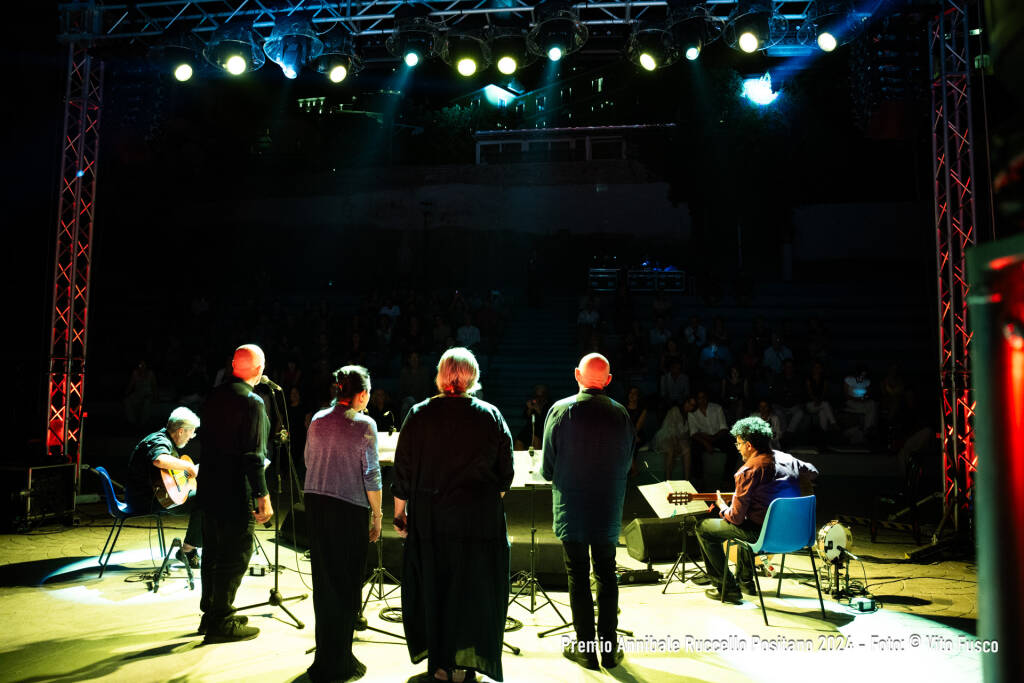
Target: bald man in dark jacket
<point>588,449</point>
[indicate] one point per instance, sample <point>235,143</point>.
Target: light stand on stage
<point>276,599</point>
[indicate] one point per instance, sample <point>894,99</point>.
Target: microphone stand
<point>276,599</point>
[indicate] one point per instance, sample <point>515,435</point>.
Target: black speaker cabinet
<point>655,540</point>
<point>29,495</point>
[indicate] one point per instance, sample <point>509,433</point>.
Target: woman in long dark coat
<point>453,465</point>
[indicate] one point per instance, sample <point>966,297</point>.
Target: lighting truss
<point>955,231</point>
<point>144,22</point>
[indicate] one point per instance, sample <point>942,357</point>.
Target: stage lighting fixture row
<point>558,31</point>
<point>754,25</point>
<point>234,49</point>
<point>292,44</point>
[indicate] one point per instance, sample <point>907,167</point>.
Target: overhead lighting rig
<point>339,59</point>
<point>179,53</point>
<point>467,51</point>
<point>415,37</point>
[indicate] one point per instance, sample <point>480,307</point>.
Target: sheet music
<point>527,471</point>
<point>656,496</point>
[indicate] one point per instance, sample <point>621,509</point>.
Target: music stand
<point>656,496</point>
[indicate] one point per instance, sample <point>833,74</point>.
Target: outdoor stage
<point>64,624</point>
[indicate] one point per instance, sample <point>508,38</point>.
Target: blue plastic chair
<point>121,513</point>
<point>788,528</point>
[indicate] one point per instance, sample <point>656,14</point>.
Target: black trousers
<point>228,546</point>
<point>581,602</point>
<point>338,539</point>
<point>711,533</point>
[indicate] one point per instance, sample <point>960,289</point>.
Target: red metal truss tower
<point>73,250</point>
<point>955,231</point>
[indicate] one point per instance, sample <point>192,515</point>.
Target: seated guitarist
<point>159,450</point>
<point>764,476</point>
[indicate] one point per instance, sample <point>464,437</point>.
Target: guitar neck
<point>709,497</point>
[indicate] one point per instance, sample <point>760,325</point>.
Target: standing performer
<point>234,448</point>
<point>159,451</point>
<point>342,481</point>
<point>453,465</point>
<point>764,476</point>
<point>588,449</point>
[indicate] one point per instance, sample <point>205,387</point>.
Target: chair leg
<point>782,568</point>
<point>760,596</point>
<point>817,582</point>
<point>118,523</point>
<point>725,567</point>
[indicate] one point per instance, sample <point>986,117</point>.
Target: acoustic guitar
<point>684,497</point>
<point>174,487</point>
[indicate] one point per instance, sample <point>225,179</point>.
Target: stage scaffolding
<point>955,231</point>
<point>85,23</point>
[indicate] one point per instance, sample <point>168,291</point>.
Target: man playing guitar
<point>145,490</point>
<point>764,476</point>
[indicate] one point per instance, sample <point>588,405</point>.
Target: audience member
<point>694,333</point>
<point>415,383</point>
<point>714,360</point>
<point>659,334</point>
<point>535,412</point>
<point>708,429</point>
<point>139,394</point>
<point>672,440</point>
<point>735,394</point>
<point>774,355</point>
<point>787,392</point>
<point>675,384</point>
<point>817,404</point>
<point>637,413</point>
<point>468,335</point>
<point>856,388</point>
<point>765,412</point>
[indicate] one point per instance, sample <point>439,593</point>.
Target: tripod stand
<point>529,577</point>
<point>376,582</point>
<point>686,524</point>
<point>276,599</point>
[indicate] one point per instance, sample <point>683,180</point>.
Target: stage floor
<point>64,624</point>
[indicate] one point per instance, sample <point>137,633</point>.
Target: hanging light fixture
<point>234,49</point>
<point>558,31</point>
<point>755,25</point>
<point>292,44</point>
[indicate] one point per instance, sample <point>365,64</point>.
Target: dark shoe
<point>748,588</point>
<point>190,558</point>
<point>732,594</point>
<point>610,660</point>
<point>204,623</point>
<point>230,631</point>
<point>701,580</point>
<point>588,660</point>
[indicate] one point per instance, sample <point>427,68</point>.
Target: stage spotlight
<point>508,48</point>
<point>177,53</point>
<point>233,48</point>
<point>339,59</point>
<point>829,24</point>
<point>692,27</point>
<point>467,52</point>
<point>292,44</point>
<point>414,39</point>
<point>558,31</point>
<point>755,25</point>
<point>651,48</point>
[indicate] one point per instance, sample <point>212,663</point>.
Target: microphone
<point>392,430</point>
<point>270,383</point>
<point>533,431</point>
